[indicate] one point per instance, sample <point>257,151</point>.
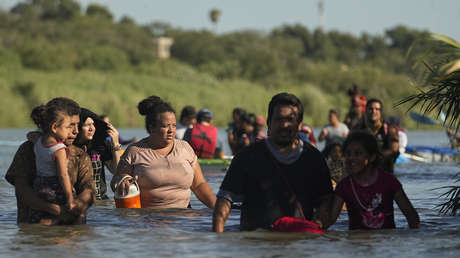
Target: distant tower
<point>321,13</point>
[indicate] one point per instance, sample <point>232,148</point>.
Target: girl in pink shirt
<point>368,192</point>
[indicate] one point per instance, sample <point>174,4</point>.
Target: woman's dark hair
<point>285,99</point>
<point>151,107</point>
<point>99,143</point>
<point>238,111</point>
<point>45,115</point>
<point>369,143</point>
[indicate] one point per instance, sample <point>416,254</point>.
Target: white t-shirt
<point>402,141</point>
<point>339,132</point>
<point>180,130</point>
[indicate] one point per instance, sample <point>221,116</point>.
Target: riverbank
<point>118,93</point>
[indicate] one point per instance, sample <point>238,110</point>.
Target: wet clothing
<point>255,179</point>
<point>47,184</point>
<point>203,140</point>
<point>99,149</point>
<point>48,188</point>
<point>370,207</point>
<point>45,160</point>
<point>97,162</point>
<point>99,154</point>
<point>164,181</point>
<point>336,168</point>
<point>23,166</point>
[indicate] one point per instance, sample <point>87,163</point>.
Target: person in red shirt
<point>369,192</point>
<point>203,136</point>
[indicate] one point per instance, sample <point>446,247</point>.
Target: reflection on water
<point>112,232</point>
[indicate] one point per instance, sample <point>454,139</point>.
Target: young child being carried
<point>52,182</point>
<point>369,192</point>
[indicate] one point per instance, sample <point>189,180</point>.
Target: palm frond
<point>442,95</point>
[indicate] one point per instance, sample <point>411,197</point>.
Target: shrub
<point>102,58</point>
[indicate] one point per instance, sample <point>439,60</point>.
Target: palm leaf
<point>442,96</point>
<point>446,40</point>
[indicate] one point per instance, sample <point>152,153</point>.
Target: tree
<point>68,9</point>
<point>48,9</point>
<point>99,10</point>
<point>214,16</point>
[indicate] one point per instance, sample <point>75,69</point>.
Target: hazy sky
<point>354,16</point>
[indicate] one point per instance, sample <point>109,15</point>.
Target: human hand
<point>70,205</point>
<point>122,187</point>
<point>324,131</point>
<point>319,223</point>
<point>113,133</point>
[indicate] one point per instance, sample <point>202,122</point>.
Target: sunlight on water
<point>112,232</point>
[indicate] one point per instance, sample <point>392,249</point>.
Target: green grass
<point>118,93</point>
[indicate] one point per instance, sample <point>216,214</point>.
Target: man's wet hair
<point>285,99</point>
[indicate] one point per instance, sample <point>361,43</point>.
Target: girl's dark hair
<point>369,143</point>
<point>151,107</point>
<point>45,115</point>
<point>327,150</point>
<point>282,99</point>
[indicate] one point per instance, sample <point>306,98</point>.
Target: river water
<point>112,232</point>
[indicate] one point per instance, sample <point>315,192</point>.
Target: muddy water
<point>112,232</point>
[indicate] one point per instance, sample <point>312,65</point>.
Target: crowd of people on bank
<point>276,170</point>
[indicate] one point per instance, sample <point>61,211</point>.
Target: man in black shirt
<point>270,176</point>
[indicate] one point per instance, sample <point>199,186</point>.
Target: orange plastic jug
<point>130,200</point>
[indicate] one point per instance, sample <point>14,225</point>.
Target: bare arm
<point>231,141</point>
<point>407,209</point>
<point>201,188</point>
<point>220,215</point>
<point>335,208</point>
<point>322,135</point>
<point>63,175</point>
<point>322,215</point>
<point>116,153</point>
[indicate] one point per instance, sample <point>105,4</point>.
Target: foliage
<point>452,205</point>
<point>441,94</point>
<point>442,91</point>
<point>102,58</point>
<point>214,15</point>
<point>99,10</point>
